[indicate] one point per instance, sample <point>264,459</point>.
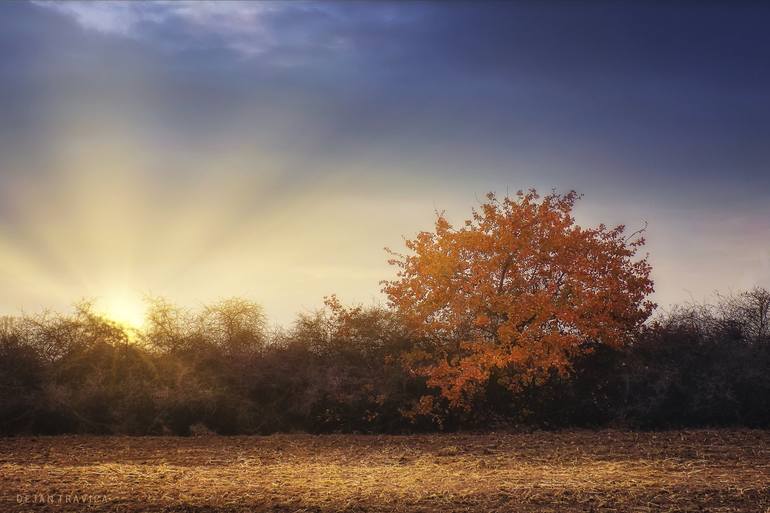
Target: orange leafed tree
<point>516,292</point>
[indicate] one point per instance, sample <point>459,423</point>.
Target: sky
<point>271,150</point>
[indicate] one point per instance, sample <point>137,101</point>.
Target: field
<point>568,471</point>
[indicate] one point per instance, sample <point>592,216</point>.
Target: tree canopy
<point>516,292</point>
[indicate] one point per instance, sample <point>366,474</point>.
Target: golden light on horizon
<point>111,226</point>
<point>123,308</point>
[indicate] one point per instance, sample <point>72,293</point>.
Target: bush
<point>343,369</point>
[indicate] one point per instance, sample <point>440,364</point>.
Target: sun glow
<point>123,309</point>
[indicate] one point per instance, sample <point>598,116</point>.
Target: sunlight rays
<point>124,308</point>
<point>100,229</point>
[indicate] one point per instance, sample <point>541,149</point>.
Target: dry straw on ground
<point>694,471</point>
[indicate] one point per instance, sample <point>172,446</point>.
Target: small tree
<point>516,292</point>
<point>748,312</point>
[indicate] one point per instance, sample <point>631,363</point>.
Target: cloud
<point>237,25</point>
<point>246,28</point>
<point>120,18</point>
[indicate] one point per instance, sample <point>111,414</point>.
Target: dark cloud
<point>668,90</point>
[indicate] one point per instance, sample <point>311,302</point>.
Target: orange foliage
<point>516,292</point>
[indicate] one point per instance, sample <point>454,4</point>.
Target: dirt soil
<point>591,471</point>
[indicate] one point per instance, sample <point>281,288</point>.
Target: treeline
<point>342,369</point>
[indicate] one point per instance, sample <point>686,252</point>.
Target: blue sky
<point>271,150</point>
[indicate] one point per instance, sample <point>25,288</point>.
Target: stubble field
<point>566,471</point>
